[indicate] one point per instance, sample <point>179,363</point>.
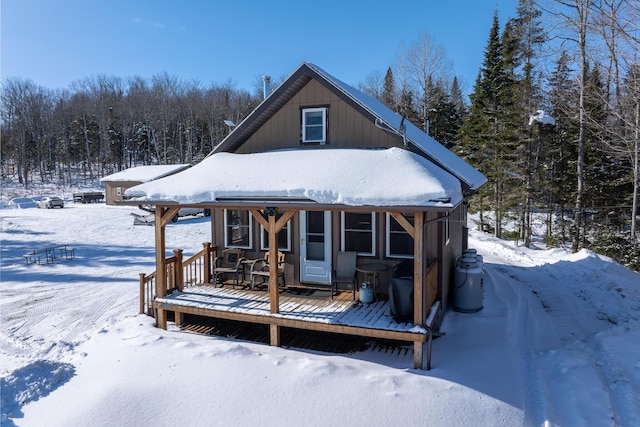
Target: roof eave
<point>295,204</point>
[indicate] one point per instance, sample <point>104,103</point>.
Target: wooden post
<point>418,284</point>
<point>274,292</point>
<point>142,292</point>
<point>178,270</point>
<point>273,227</point>
<point>274,335</point>
<point>206,246</point>
<point>161,275</point>
<point>162,218</point>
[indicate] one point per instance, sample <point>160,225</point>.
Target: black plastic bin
<point>401,292</point>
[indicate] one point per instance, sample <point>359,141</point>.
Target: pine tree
<point>486,137</point>
<point>560,175</point>
<point>520,40</point>
<point>389,91</point>
<point>443,118</point>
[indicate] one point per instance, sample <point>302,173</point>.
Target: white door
<point>315,247</point>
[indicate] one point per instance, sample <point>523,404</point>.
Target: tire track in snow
<point>89,321</point>
<point>576,323</point>
<point>535,407</point>
<point>622,394</point>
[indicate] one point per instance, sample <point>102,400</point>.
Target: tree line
<point>553,121</point>
<point>104,124</point>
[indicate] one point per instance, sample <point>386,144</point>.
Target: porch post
<point>418,285</point>
<point>274,294</point>
<point>179,272</point>
<point>161,274</point>
<point>207,262</point>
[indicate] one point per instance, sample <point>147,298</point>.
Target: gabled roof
<point>349,177</point>
<point>378,112</point>
<point>144,173</point>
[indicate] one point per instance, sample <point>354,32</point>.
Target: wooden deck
<point>338,315</point>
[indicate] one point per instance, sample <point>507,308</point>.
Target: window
<point>314,125</point>
<point>358,232</point>
<point>399,242</point>
<point>284,237</point>
<point>238,228</point>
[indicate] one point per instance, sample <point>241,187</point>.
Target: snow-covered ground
<point>557,343</point>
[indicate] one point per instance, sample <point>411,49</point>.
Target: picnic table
<point>49,255</point>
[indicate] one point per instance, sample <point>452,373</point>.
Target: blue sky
<point>55,43</point>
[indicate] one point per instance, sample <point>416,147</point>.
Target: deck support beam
<point>419,290</point>
<point>161,272</point>
<point>273,227</point>
<point>162,217</point>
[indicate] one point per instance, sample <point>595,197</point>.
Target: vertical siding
<point>348,128</point>
<point>111,190</point>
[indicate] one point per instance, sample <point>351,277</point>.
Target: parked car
<point>191,212</point>
<point>50,202</point>
<point>182,212</point>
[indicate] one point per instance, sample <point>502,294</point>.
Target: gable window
<point>238,230</point>
<point>314,125</point>
<point>284,236</point>
<point>399,242</point>
<point>358,232</point>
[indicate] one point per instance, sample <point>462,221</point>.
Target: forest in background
<point>553,121</point>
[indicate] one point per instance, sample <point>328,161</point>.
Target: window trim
<point>372,232</point>
<point>227,244</point>
<point>303,130</point>
<point>388,253</point>
<point>264,245</point>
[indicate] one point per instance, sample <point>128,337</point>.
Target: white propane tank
<point>468,281</point>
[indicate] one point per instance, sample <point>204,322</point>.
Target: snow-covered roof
<point>144,173</point>
<point>437,152</point>
<point>352,177</point>
<point>385,117</point>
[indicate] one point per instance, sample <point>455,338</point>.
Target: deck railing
<point>179,273</point>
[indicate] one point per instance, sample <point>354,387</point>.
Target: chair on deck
<point>345,271</point>
<point>260,269</point>
<point>229,263</point>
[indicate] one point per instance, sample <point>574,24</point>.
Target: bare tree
<point>574,23</point>
<point>26,111</point>
<point>425,63</point>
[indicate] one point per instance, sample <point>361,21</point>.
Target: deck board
<point>337,311</point>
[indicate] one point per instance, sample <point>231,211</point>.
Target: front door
<point>315,247</point>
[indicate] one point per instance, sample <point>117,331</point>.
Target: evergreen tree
<point>443,119</point>
<point>389,91</point>
<point>486,137</point>
<point>560,172</point>
<point>520,40</point>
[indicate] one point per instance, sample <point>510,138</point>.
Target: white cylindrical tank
<point>468,281</point>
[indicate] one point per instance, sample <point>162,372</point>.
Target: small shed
<point>116,184</point>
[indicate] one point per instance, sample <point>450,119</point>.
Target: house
<point>116,184</point>
<point>319,168</point>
